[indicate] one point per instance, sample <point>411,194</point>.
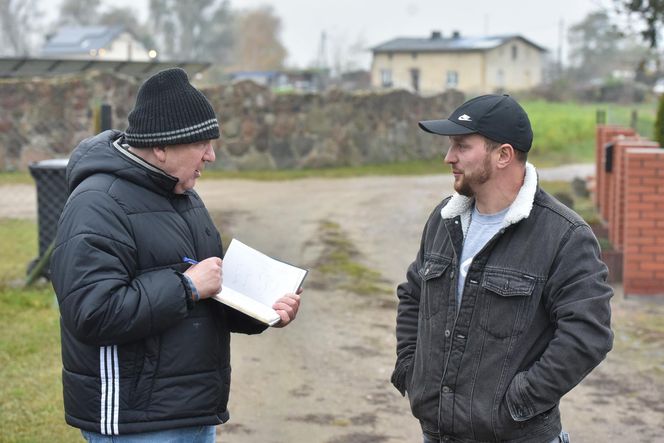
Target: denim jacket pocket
<point>434,285</point>
<point>507,297</point>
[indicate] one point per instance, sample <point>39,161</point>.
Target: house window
<point>386,78</point>
<point>514,52</point>
<point>500,78</point>
<point>415,79</point>
<point>452,79</point>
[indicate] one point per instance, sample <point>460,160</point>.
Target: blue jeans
<point>563,437</point>
<point>196,434</point>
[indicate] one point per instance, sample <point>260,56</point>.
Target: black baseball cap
<point>497,117</point>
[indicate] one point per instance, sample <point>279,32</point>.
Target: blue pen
<point>191,261</point>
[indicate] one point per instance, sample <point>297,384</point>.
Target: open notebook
<point>253,281</point>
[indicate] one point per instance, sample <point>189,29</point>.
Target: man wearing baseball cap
<point>506,306</point>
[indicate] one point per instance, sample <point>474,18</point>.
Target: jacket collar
<point>461,206</point>
<point>164,181</point>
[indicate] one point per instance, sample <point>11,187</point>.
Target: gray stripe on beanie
<point>170,138</point>
<point>210,123</point>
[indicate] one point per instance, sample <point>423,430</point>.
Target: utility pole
<point>322,51</point>
<point>561,39</point>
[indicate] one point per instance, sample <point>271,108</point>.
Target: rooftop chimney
<point>456,34</point>
<point>435,35</point>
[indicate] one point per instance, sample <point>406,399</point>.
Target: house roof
<point>455,43</point>
<point>80,39</point>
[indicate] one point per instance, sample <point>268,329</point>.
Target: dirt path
<point>325,379</point>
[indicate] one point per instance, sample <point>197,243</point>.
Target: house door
<point>415,79</point>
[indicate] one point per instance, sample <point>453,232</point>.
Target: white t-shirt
<point>482,228</point>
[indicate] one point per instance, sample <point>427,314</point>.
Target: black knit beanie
<point>170,111</point>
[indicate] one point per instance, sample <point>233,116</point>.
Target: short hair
<point>492,145</point>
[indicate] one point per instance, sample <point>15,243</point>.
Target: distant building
<point>303,80</point>
<point>96,42</point>
<point>473,65</point>
<point>355,80</point>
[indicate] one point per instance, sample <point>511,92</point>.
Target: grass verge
<point>339,264</point>
<point>17,249</point>
<point>565,132</point>
<point>30,368</point>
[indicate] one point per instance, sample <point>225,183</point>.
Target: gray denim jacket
<point>533,322</point>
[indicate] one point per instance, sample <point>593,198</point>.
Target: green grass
<point>565,132</point>
<point>339,263</point>
<point>30,368</point>
<point>17,248</point>
<point>16,178</point>
<point>31,406</point>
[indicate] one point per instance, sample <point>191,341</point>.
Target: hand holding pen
<point>206,275</point>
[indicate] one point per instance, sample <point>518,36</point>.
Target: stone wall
<point>42,119</point>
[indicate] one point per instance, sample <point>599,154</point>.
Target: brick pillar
<point>616,189</point>
<point>643,260</point>
<point>603,135</point>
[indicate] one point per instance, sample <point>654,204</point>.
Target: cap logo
<point>465,118</point>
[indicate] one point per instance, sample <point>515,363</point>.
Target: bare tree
<point>346,55</point>
<point>598,48</point>
<point>79,12</point>
<point>18,21</point>
<point>257,44</point>
<point>192,30</point>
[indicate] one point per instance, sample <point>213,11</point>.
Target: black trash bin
<point>52,195</point>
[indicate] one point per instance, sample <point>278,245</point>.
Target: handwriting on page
<point>258,276</point>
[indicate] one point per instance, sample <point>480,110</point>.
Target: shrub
<point>659,122</point>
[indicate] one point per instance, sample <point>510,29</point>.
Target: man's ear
<point>160,153</point>
<point>505,155</point>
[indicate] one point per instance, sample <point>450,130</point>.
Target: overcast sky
<point>367,23</point>
<point>376,21</point>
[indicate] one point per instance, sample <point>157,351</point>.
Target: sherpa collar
<point>519,209</point>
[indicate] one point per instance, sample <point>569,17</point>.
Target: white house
<point>473,65</point>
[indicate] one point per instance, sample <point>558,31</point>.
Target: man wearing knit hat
<point>146,353</point>
<point>506,306</point>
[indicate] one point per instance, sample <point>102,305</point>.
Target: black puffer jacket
<point>137,355</point>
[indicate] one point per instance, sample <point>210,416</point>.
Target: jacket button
<point>452,275</point>
<point>447,333</point>
<point>446,389</point>
<point>426,271</point>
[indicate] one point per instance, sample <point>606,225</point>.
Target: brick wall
<point>604,135</point>
<point>616,187</point>
<point>643,266</point>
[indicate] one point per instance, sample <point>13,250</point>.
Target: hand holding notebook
<point>253,282</point>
